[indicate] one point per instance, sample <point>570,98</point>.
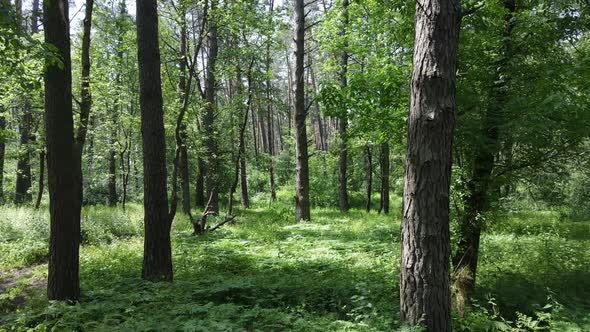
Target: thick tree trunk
<point>211,162</point>
<point>302,208</point>
<point>63,279</point>
<point>343,121</point>
<point>157,255</point>
<point>477,198</point>
<point>384,165</point>
<point>425,295</point>
<point>369,159</point>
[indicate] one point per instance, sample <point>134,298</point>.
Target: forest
<point>295,165</point>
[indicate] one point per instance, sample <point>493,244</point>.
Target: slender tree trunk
<point>2,152</point>
<point>112,177</point>
<point>182,138</point>
<point>477,198</point>
<point>384,165</point>
<point>425,295</point>
<point>157,255</point>
<point>41,183</point>
<point>244,198</point>
<point>200,183</point>
<point>211,162</point>
<point>271,173</point>
<point>86,100</point>
<point>302,208</point>
<point>343,120</point>
<point>63,280</point>
<point>369,156</point>
<point>23,169</point>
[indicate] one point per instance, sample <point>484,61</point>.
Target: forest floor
<point>339,273</point>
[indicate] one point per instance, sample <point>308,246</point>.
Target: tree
<point>212,160</point>
<point>157,255</point>
<point>63,281</point>
<point>343,120</point>
<point>425,282</point>
<point>302,208</point>
<point>384,166</point>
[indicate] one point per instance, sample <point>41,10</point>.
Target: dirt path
<point>16,284</point>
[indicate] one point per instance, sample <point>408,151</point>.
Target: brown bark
<point>157,256</point>
<point>384,166</point>
<point>85,102</point>
<point>369,159</point>
<point>63,280</point>
<point>302,208</point>
<point>200,183</point>
<point>41,182</point>
<point>211,161</point>
<point>425,296</point>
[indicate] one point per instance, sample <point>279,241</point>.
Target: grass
<point>339,273</point>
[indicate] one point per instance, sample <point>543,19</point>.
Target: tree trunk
<point>182,137</point>
<point>425,296</point>
<point>343,121</point>
<point>271,173</point>
<point>41,184</point>
<point>2,152</point>
<point>477,198</point>
<point>86,101</point>
<point>369,156</point>
<point>384,165</point>
<point>23,169</point>
<point>63,279</point>
<point>112,177</point>
<point>211,162</point>
<point>157,255</point>
<point>302,208</point>
<point>200,183</point>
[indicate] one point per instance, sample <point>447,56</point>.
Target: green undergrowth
<point>265,273</point>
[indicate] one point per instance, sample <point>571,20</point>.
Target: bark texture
<point>63,280</point>
<point>157,255</point>
<point>302,208</point>
<point>425,296</point>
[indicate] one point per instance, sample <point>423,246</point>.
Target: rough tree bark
<point>425,295</point>
<point>36,13</point>
<point>211,161</point>
<point>384,165</point>
<point>157,256</point>
<point>302,208</point>
<point>343,119</point>
<point>63,279</point>
<point>477,198</point>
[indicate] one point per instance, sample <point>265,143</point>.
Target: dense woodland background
<point>269,179</point>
